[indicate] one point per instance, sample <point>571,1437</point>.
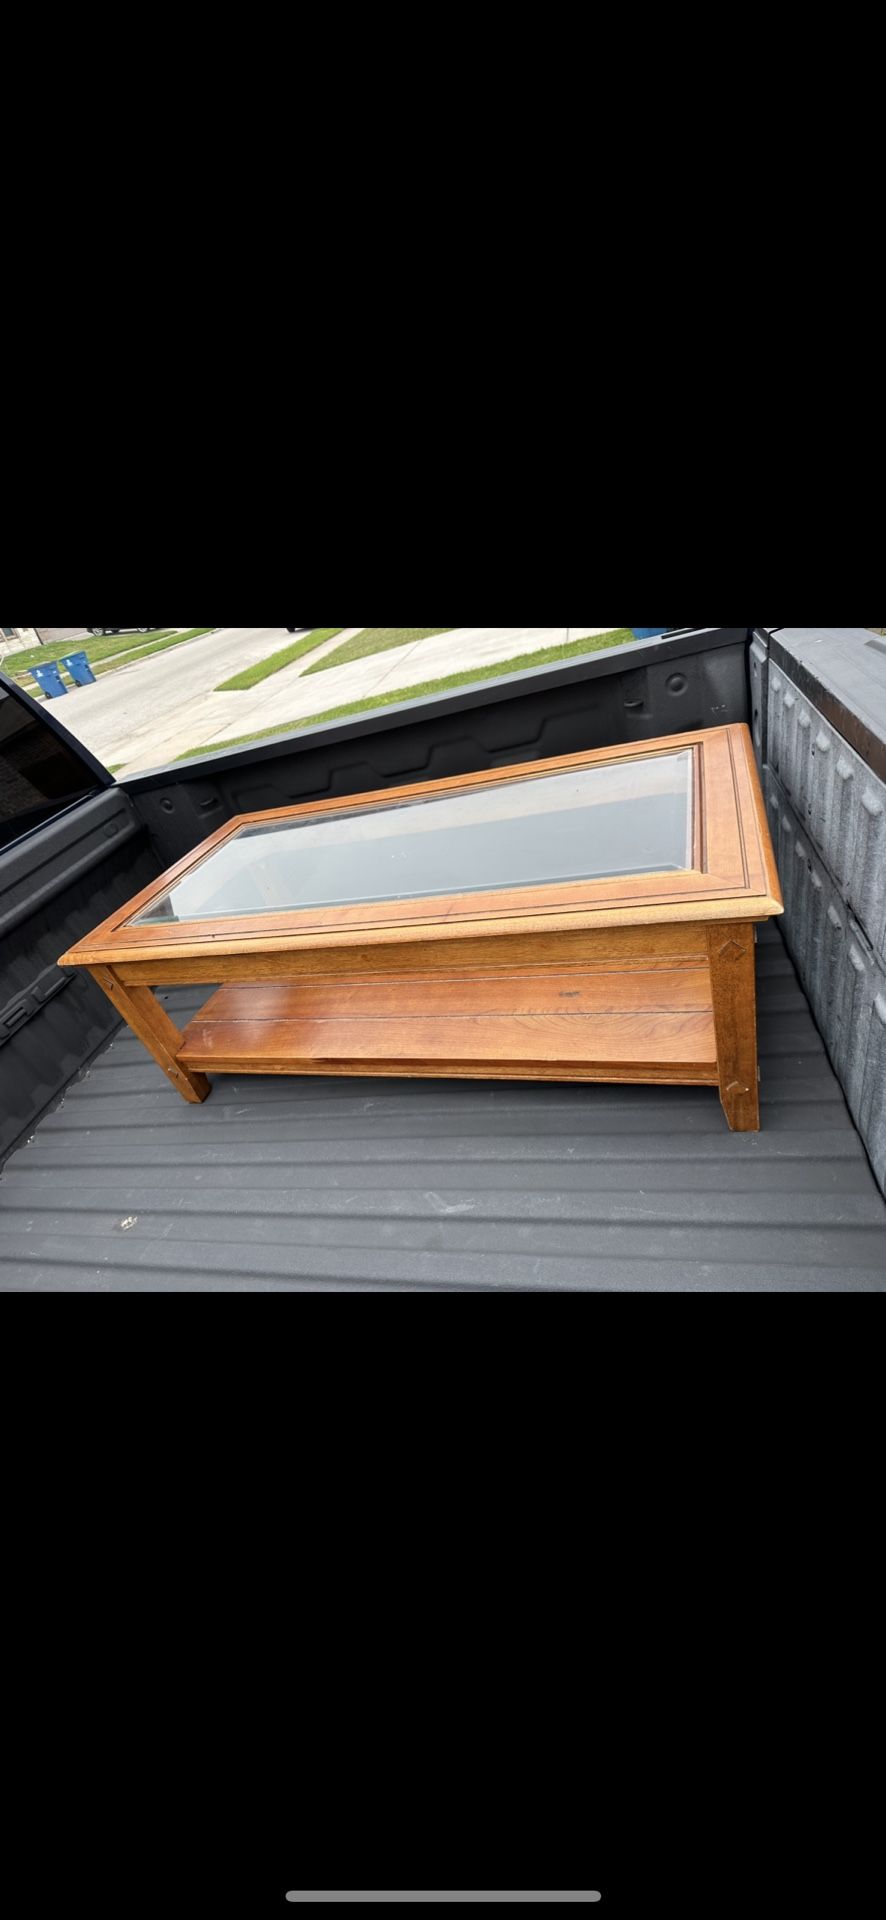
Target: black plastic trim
<point>34,870</point>
<point>19,1011</point>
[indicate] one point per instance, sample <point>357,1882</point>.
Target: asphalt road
<point>126,716</point>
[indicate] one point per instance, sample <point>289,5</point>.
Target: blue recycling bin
<point>648,633</point>
<point>49,680</point>
<point>79,669</point>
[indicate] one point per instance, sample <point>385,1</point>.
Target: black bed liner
<point>283,1183</point>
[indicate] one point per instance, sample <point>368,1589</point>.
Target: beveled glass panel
<point>587,823</point>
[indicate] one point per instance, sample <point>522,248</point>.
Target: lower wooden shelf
<point>654,1024</point>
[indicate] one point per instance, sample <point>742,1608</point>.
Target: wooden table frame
<point>647,978</point>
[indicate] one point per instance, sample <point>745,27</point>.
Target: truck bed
<point>374,1185</point>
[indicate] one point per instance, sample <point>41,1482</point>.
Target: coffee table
<point>587,918</point>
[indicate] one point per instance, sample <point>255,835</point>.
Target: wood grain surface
<point>646,978</point>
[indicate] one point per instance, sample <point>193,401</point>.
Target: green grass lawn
<point>251,676</point>
<point>544,657</point>
<point>160,645</point>
<point>374,640</point>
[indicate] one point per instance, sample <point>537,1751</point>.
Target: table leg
<point>143,1013</point>
<point>733,979</point>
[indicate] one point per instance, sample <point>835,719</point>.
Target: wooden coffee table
<point>589,918</point>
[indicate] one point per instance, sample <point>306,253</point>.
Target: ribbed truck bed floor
<point>283,1183</point>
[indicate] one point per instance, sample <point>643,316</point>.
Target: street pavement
<point>146,715</point>
<point>127,716</point>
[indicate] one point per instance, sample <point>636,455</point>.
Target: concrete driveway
<point>148,714</point>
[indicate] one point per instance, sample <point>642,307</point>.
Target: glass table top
<point>588,823</point>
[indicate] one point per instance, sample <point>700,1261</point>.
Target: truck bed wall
<point>55,886</point>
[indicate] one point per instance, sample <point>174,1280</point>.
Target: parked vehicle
<point>100,631</point>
